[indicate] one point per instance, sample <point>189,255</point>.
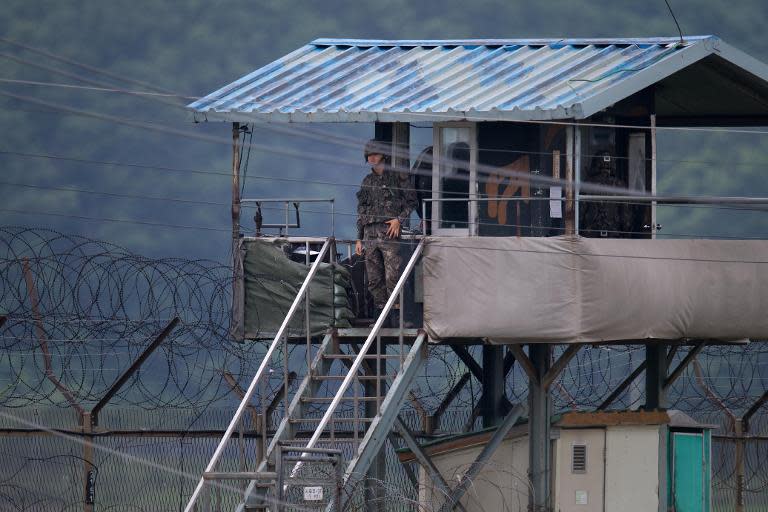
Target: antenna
<point>679,30</point>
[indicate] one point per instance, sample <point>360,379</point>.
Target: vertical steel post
<point>90,475</point>
<point>306,308</point>
<point>237,327</point>
<point>235,183</point>
<point>286,384</point>
<point>738,426</point>
<point>279,486</point>
<point>655,376</point>
<point>492,398</point>
<point>653,175</point>
<point>569,219</point>
<point>576,176</point>
<point>540,407</point>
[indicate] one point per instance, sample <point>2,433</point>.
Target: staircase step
<point>359,377</point>
<point>389,332</point>
<point>367,356</point>
<point>335,420</point>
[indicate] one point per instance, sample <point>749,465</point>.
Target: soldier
<point>605,219</point>
<point>384,203</point>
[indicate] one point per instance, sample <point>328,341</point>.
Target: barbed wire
<point>99,306</point>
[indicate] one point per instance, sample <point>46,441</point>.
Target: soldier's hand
<point>359,248</point>
<point>394,228</point>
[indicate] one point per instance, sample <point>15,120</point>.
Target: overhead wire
<point>584,186</point>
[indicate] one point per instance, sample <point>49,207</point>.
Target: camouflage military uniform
<point>605,219</point>
<point>381,198</point>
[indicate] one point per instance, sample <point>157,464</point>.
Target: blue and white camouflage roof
<point>345,80</point>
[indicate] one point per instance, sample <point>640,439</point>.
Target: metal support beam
<point>524,362</point>
<point>488,450</point>
<point>655,376</point>
<point>492,400</point>
<point>752,410</point>
<point>623,386</point>
<point>468,361</point>
<point>128,373</point>
<point>423,458</point>
<point>308,387</point>
<point>539,429</point>
<point>279,395</point>
<point>396,396</point>
<point>449,398</point>
<point>509,362</point>
<point>42,339</point>
<point>690,356</point>
<point>559,365</point>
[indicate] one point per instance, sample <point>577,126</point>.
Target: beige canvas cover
<point>573,289</point>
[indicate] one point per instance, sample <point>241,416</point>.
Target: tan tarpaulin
<point>572,289</point>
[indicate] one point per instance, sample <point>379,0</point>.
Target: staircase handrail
<point>259,373</point>
<point>362,353</point>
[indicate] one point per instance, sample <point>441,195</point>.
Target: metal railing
<point>287,202</point>
<point>363,351</point>
<point>262,370</point>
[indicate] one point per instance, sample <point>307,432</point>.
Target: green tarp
<point>272,281</point>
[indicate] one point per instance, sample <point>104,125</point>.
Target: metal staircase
<point>344,407</point>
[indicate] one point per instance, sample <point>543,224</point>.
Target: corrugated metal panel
<point>355,80</point>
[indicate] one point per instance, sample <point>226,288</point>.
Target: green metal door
<point>689,472</point>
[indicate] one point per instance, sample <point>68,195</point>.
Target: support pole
<point>655,376</point>
<point>570,148</point>
<point>492,400</point>
<point>539,429</point>
<point>89,469</point>
<point>89,477</point>
<point>740,473</point>
<point>237,326</point>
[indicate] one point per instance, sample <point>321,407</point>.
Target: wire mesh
<point>100,306</point>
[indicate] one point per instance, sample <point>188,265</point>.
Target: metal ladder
<point>387,378</point>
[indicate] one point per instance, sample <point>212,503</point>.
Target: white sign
<point>582,498</point>
<point>313,494</point>
<point>555,205</point>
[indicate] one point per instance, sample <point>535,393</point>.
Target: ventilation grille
<point>579,461</point>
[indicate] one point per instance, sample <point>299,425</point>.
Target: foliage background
<point>193,47</point>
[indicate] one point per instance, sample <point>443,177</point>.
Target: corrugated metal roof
<point>346,80</point>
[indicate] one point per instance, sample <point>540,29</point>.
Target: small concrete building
<point>623,461</point>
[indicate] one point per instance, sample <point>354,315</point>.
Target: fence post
<point>739,431</point>
<point>90,470</point>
